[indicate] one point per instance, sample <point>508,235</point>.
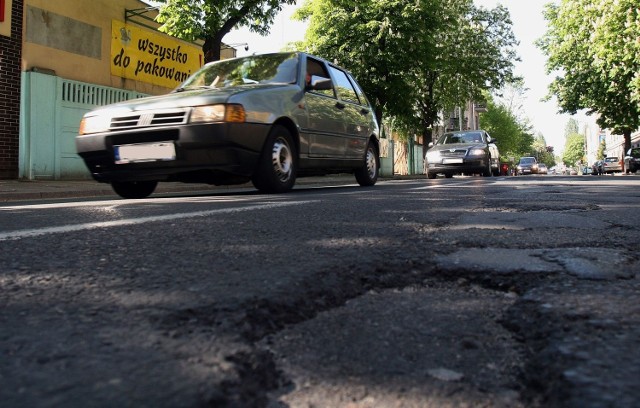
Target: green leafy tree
<point>414,59</point>
<point>573,149</point>
<point>513,137</point>
<point>541,152</point>
<point>602,148</point>
<point>474,54</point>
<point>594,46</point>
<point>571,127</point>
<point>378,41</point>
<point>211,20</point>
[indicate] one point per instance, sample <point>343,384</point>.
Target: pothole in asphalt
<point>438,345</point>
<point>583,263</point>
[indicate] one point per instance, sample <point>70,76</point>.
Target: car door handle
<point>340,105</point>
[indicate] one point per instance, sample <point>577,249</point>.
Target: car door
<point>323,128</point>
<point>356,114</point>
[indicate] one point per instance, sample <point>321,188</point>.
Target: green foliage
<point>594,46</point>
<point>539,150</point>
<point>573,150</point>
<point>414,59</point>
<point>211,20</point>
<point>602,148</point>
<point>513,138</point>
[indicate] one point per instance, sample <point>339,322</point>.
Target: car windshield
<point>526,160</point>
<point>467,137</point>
<point>635,152</point>
<point>258,69</point>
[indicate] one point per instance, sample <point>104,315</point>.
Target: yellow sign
<point>5,17</point>
<point>149,56</point>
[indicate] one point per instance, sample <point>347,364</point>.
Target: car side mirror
<point>430,144</point>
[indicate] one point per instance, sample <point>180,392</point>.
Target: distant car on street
<point>464,152</point>
<point>527,165</point>
<point>632,160</point>
<point>542,168</point>
<point>611,165</point>
<point>597,168</point>
<point>263,118</point>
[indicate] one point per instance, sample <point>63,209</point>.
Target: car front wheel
<point>277,167</point>
<point>487,171</point>
<point>134,189</point>
<point>367,175</point>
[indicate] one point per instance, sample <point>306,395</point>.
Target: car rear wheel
<point>367,175</point>
<point>277,167</point>
<point>134,189</point>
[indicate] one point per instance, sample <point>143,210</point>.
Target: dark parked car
<point>264,118</point>
<point>611,165</point>
<point>466,152</point>
<point>527,165</point>
<point>632,160</point>
<point>597,168</point>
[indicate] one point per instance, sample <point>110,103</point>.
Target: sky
<point>528,25</point>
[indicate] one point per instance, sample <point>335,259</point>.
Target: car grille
<point>149,119</point>
<point>453,152</point>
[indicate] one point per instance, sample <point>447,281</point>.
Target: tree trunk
<point>211,48</point>
<point>627,140</point>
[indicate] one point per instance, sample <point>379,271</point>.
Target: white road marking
<point>448,185</point>
<point>121,203</point>
<point>15,235</point>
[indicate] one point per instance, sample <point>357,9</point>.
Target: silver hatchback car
<point>264,118</point>
<point>611,165</point>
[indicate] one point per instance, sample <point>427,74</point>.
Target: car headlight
<point>433,155</point>
<point>476,152</point>
<point>94,124</point>
<point>217,113</point>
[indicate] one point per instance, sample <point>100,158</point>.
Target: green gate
<point>51,110</point>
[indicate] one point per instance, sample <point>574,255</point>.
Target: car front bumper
<point>218,148</point>
<point>467,166</point>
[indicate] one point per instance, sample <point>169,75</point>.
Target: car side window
<point>359,91</point>
<point>344,86</point>
<point>317,70</point>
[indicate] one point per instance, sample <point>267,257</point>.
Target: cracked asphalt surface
<point>496,292</point>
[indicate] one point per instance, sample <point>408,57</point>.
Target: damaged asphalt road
<point>497,292</point>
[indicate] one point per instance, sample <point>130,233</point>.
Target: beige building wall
<point>80,46</point>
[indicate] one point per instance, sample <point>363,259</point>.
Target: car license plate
<point>452,161</point>
<point>144,152</point>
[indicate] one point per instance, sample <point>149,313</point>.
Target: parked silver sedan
<point>265,118</point>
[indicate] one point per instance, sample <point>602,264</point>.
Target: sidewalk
<point>18,190</point>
